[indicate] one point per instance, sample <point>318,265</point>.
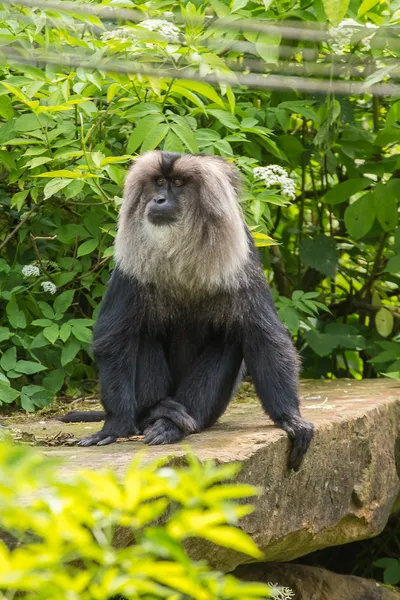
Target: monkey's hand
<point>173,411</point>
<point>162,431</point>
<point>301,433</point>
<point>168,422</point>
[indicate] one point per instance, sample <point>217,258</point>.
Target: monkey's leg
<point>204,394</point>
<point>117,373</point>
<point>272,362</point>
<point>129,387</point>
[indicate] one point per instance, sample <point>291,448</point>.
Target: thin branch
<point>37,254</point>
<point>18,227</point>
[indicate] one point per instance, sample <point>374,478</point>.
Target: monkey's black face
<point>164,206</point>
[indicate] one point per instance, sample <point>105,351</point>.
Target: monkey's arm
<point>115,347</point>
<point>203,394</point>
<point>273,364</point>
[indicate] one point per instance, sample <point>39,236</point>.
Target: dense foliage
<point>61,524</point>
<point>69,128</point>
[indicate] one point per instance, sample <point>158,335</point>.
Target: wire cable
<point>288,29</point>
<point>251,80</point>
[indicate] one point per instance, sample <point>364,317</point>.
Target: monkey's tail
<point>81,416</point>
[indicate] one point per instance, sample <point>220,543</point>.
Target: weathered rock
<point>313,583</point>
<point>344,491</point>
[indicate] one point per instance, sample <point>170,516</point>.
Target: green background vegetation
<point>68,133</point>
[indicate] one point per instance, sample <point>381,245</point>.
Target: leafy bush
<point>63,530</point>
<point>67,134</point>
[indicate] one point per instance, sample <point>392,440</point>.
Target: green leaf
<point>204,89</point>
<point>393,265</point>
<point>87,247</point>
<point>384,322</point>
<point>141,131</point>
<point>301,107</point>
<point>359,216</point>
<point>267,46</point>
<point>28,367</point>
<point>16,317</point>
<point>19,198</point>
<point>27,404</point>
<point>321,343</point>
<point>345,335</point>
<point>6,109</point>
<point>343,191</point>
<point>225,118</point>
<point>290,318</point>
<point>366,5</point>
<point>65,331</point>
<point>54,380</point>
<point>386,200</point>
<point>63,301</point>
<point>9,359</point>
<point>46,310</point>
<point>51,333</point>
<point>39,341</point>
<point>155,137</point>
<point>171,144</point>
<point>5,334</point>
<point>65,174</point>
<point>69,351</point>
<point>238,4</point>
<point>42,322</point>
<point>7,393</point>
<point>335,10</point>
<point>37,394</point>
<point>143,109</point>
<point>55,185</point>
<point>320,253</point>
<point>27,123</point>
<point>82,333</point>
<point>231,538</point>
<point>186,135</point>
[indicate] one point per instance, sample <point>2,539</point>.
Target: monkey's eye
<point>178,182</point>
<point>160,181</point>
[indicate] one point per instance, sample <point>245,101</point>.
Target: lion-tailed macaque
<point>186,308</point>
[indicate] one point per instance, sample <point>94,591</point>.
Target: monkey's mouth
<point>161,215</point>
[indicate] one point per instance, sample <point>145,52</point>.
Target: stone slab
<point>345,490</point>
<point>313,583</point>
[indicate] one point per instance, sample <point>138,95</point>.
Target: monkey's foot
<point>301,433</point>
<point>112,430</point>
<point>98,439</point>
<point>162,431</point>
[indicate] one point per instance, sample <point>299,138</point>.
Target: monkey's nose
<point>160,199</point>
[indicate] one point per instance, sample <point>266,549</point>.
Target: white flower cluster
<point>123,34</point>
<point>342,34</point>
<point>49,286</point>
<point>282,593</point>
<point>277,175</point>
<point>30,271</point>
<point>169,30</point>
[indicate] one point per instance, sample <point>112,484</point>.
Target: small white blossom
<point>169,30</point>
<point>122,34</point>
<point>277,175</point>
<point>282,593</point>
<point>49,286</point>
<point>342,34</point>
<point>30,271</point>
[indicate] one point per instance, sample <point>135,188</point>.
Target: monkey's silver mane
<point>206,250</point>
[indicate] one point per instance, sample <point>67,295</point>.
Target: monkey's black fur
<point>169,364</point>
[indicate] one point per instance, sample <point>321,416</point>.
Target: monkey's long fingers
<point>162,431</point>
<point>173,411</point>
<point>301,433</point>
<point>97,439</point>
